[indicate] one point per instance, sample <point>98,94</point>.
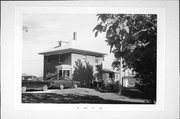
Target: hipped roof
<point>72,47</point>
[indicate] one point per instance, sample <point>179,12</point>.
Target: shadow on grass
<point>68,98</point>
<point>107,89</point>
<point>132,93</point>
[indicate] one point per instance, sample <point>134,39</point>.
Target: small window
<point>66,73</point>
<point>48,59</point>
<point>96,60</point>
<point>84,58</point>
<point>60,73</point>
<point>60,59</point>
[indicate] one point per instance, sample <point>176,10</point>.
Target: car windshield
<point>30,78</point>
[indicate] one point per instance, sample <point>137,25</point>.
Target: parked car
<point>63,82</point>
<point>32,82</point>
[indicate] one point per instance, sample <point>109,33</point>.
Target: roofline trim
<point>70,50</point>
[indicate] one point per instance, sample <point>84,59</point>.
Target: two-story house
<point>61,59</point>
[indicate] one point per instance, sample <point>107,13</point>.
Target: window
<point>60,73</point>
<point>84,58</point>
<point>48,60</point>
<point>60,59</point>
<point>97,61</point>
<point>64,73</point>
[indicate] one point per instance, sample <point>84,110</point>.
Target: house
<point>61,59</point>
<point>128,78</point>
<point>129,81</point>
<point>109,75</point>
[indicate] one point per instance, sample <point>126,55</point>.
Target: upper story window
<point>60,58</point>
<point>98,60</point>
<point>48,60</point>
<point>84,58</point>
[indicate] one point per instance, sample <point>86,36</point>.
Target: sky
<point>45,30</point>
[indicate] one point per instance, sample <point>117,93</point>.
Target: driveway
<point>78,95</point>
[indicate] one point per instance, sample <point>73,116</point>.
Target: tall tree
<point>133,38</point>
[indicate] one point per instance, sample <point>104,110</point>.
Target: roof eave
<point>71,50</point>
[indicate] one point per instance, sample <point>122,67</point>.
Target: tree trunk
<point>120,78</point>
<point>120,89</point>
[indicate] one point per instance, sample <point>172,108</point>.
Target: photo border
<point>159,106</point>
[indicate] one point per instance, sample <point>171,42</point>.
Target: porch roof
<point>64,66</point>
<point>108,71</point>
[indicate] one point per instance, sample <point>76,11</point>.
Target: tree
<point>133,38</point>
<point>99,71</point>
<point>83,73</point>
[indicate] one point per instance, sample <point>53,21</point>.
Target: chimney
<point>60,43</point>
<point>74,36</point>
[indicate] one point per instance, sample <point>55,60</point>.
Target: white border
<point>159,106</point>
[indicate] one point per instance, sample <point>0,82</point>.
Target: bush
<point>83,73</point>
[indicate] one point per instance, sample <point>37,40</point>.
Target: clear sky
<point>44,30</point>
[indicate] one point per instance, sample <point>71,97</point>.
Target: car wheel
<point>24,89</point>
<point>61,86</point>
<point>75,85</point>
<point>45,87</point>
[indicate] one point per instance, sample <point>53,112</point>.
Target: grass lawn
<point>84,95</point>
